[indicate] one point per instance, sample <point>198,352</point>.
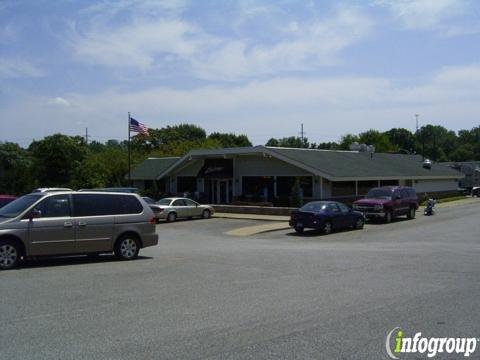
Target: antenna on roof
<point>302,135</point>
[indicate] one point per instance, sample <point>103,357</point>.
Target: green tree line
<point>68,161</point>
<point>434,142</point>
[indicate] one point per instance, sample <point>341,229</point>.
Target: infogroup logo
<point>430,346</point>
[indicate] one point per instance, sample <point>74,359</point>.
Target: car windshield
<point>164,201</point>
<point>380,194</point>
<point>314,207</point>
<point>18,206</point>
<point>148,200</point>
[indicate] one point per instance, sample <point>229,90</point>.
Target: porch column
<point>321,188</point>
<point>274,186</point>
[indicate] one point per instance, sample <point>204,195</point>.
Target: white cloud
<point>426,14</point>
<point>18,68</point>
<point>146,43</point>
<point>139,45</point>
<point>58,101</point>
<point>309,46</point>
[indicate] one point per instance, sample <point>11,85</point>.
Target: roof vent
<point>427,164</point>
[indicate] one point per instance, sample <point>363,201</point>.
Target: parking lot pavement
<point>201,294</point>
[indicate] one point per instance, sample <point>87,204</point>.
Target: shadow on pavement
<point>37,262</point>
<point>381,222</point>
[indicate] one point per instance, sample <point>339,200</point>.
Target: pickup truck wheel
<point>411,213</point>
<point>327,228</point>
<point>299,229</point>
<point>388,216</point>
<point>9,254</point>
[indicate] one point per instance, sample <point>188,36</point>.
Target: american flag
<point>138,127</point>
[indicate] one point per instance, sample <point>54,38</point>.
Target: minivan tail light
<point>153,220</point>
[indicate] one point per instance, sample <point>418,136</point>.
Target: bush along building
<point>287,176</point>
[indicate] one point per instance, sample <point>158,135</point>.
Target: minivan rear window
<point>105,204</point>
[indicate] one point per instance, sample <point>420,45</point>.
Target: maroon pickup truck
<point>388,202</point>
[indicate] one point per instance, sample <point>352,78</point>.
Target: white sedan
<point>171,209</point>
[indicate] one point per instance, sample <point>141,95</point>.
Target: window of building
<point>285,185</point>
<point>186,184</point>
<point>388,182</point>
<point>365,186</point>
<point>343,188</point>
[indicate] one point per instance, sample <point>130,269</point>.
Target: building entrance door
<point>220,191</point>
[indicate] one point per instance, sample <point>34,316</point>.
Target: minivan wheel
<point>206,214</point>
<point>411,213</point>
<point>9,254</point>
<point>171,217</point>
<point>127,247</point>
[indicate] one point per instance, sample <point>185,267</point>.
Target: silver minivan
<point>62,223</point>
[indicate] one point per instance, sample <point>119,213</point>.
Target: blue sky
<point>256,67</point>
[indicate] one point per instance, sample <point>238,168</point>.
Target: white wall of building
<point>421,186</point>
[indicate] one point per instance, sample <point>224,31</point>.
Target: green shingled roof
<point>349,164</point>
<point>151,168</point>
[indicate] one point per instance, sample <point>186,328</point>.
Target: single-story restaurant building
<point>262,173</point>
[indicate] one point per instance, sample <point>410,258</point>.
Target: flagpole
<point>129,153</point>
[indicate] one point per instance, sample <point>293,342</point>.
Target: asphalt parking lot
<point>203,294</point>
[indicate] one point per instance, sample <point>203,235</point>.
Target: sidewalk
<point>258,229</point>
<point>252,217</point>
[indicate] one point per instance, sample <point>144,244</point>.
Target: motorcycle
<point>429,208</point>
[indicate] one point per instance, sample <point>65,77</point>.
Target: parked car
<point>325,216</point>
<point>148,200</point>
<point>62,223</point>
<point>388,202</point>
<point>476,191</point>
<point>5,199</point>
<point>171,209</point>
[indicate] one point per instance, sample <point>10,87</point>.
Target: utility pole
<point>416,121</point>
<point>302,135</point>
<point>86,136</point>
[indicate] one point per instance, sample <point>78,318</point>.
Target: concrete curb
<point>270,218</point>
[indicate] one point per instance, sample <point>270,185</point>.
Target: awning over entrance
<point>217,169</point>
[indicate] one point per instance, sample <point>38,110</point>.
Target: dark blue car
<point>325,216</point>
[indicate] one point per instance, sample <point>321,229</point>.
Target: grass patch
<point>444,200</point>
